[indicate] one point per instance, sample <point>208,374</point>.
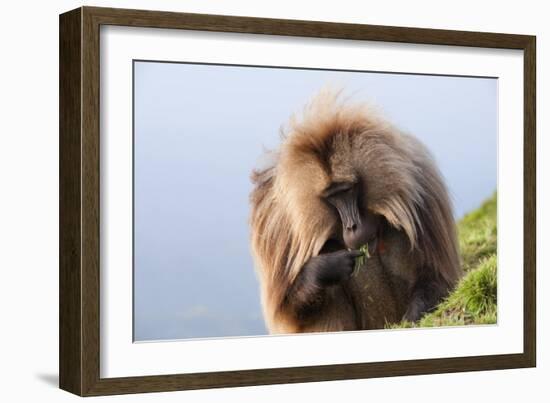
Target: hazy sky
<point>200,130</point>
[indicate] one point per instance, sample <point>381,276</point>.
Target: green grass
<point>474,300</point>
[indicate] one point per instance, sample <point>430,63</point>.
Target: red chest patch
<point>381,247</point>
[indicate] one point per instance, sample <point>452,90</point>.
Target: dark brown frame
<point>79,201</point>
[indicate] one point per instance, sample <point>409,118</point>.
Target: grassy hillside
<point>474,301</point>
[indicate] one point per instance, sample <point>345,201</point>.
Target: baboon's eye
<point>336,189</point>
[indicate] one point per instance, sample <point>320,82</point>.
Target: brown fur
<point>336,141</point>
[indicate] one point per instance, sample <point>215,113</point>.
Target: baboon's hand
<point>332,268</point>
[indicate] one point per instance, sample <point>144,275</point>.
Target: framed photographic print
<point>249,201</point>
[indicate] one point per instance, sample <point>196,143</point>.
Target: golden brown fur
<point>338,141</point>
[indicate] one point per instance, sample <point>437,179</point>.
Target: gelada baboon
<point>342,178</point>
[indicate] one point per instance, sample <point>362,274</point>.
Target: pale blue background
<point>200,130</point>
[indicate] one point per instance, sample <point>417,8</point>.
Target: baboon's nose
<point>355,236</point>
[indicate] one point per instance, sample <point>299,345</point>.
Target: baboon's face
<point>346,192</point>
<point>359,226</point>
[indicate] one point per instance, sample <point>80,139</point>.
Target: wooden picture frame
<point>79,201</point>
